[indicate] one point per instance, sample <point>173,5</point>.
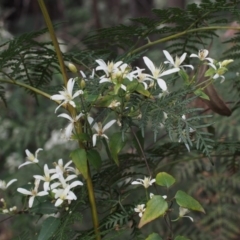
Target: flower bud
<point>72,67</point>
<point>82,84</point>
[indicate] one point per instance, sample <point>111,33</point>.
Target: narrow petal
<point>39,177</point>
<point>94,139</point>
<point>194,55</point>
<point>71,196</point>
<point>162,84</point>
<point>168,56</point>
<point>76,183</point>
<point>170,71</point>
<point>58,202</point>
<point>108,125</point>
<point>70,85</point>
<point>79,92</point>
<point>64,115</point>
<point>26,163</point>
<point>24,191</point>
<point>68,130</point>
<point>182,58</point>
<point>43,193</point>
<point>149,64</point>
<point>57,97</point>
<point>190,66</point>
<point>135,183</point>
<point>10,182</point>
<point>30,202</point>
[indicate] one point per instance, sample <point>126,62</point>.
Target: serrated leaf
<point>44,208</point>
<point>186,201</point>
<point>164,179</point>
<point>79,157</point>
<point>94,158</point>
<point>156,207</point>
<point>49,226</point>
<point>115,145</point>
<point>181,238</point>
<point>154,236</point>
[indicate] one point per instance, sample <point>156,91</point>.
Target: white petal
<point>135,183</point>
<point>64,115</point>
<point>76,183</point>
<point>149,64</point>
<point>79,92</point>
<point>194,55</point>
<point>39,177</point>
<point>10,182</point>
<point>70,85</point>
<point>182,58</point>
<point>68,130</point>
<point>170,71</point>
<point>94,139</point>
<point>71,196</point>
<point>43,193</point>
<point>162,84</point>
<point>58,202</point>
<point>168,56</point>
<point>30,202</point>
<point>70,177</point>
<point>190,66</point>
<point>108,125</point>
<point>24,191</point>
<point>26,163</point>
<point>57,97</point>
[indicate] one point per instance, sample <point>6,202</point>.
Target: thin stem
<point>54,39</point>
<point>28,87</point>
<point>93,205</point>
<point>149,44</point>
<point>143,155</point>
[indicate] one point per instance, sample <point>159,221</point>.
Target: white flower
<point>70,126</point>
<point>67,95</point>
<point>146,182</point>
<point>60,168</point>
<point>140,209</point>
<point>64,182</point>
<point>108,68</point>
<point>33,193</point>
<point>4,185</point>
<point>157,73</point>
<point>183,212</point>
<point>114,104</point>
<point>63,194</point>
<point>202,55</point>
<point>30,157</point>
<point>100,130</point>
<point>46,178</point>
<point>220,70</point>
<point>178,61</point>
<point>142,77</point>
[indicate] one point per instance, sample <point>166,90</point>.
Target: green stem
<point>93,205</point>
<point>149,44</point>
<point>28,87</point>
<point>54,39</point>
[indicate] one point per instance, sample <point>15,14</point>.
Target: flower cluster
<point>58,183</point>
